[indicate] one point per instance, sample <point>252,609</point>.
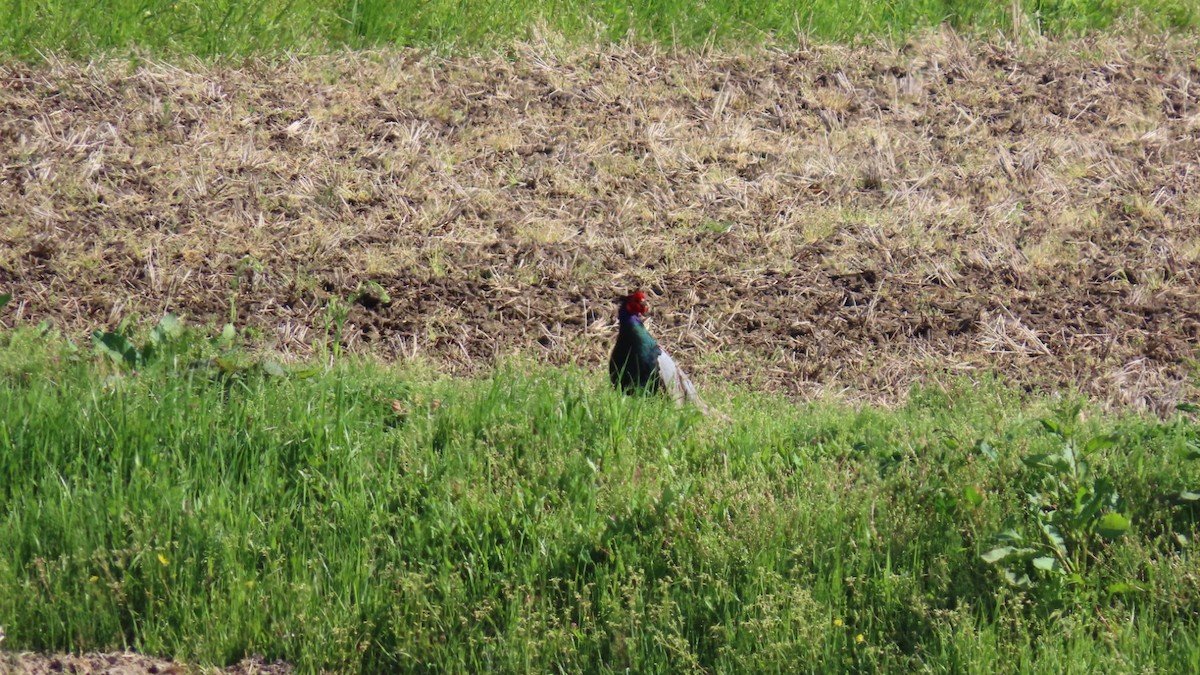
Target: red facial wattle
<point>635,303</point>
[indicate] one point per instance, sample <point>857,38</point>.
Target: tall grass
<point>232,27</point>
<point>382,519</point>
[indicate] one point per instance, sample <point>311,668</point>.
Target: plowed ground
<point>821,220</point>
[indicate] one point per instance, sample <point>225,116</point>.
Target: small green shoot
<point>371,294</point>
<point>335,315</point>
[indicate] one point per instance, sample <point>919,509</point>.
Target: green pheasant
<point>639,364</point>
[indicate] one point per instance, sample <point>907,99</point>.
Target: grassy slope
<point>535,521</point>
<point>212,27</point>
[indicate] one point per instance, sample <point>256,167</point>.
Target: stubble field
<point>821,220</point>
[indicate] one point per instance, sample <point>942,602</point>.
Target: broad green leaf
<point>1046,563</point>
<point>228,333</point>
<point>1122,587</point>
<point>1192,451</point>
<point>1021,580</point>
<point>1040,460</point>
<point>1054,538</point>
<point>1112,525</point>
<point>1081,494</point>
<point>274,369</point>
<point>1010,536</point>
<point>1102,442</point>
<point>169,328</point>
<point>972,496</point>
<point>4,299</point>
<point>1052,426</point>
<point>1067,458</point>
<point>305,373</point>
<point>117,347</point>
<point>1001,552</point>
<point>1189,496</point>
<point>997,554</point>
<point>1182,407</point>
<point>987,450</point>
<point>1103,494</point>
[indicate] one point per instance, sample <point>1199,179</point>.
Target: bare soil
<point>825,220</point>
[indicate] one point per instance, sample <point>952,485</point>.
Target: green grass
<point>29,28</point>
<point>535,521</point>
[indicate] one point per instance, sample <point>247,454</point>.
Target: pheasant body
<point>639,364</point>
<point>633,365</point>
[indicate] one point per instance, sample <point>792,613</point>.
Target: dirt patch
<point>124,663</point>
<point>821,220</point>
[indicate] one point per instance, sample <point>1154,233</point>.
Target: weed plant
<point>375,518</point>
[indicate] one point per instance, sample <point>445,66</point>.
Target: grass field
<point>31,29</point>
<point>380,519</point>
